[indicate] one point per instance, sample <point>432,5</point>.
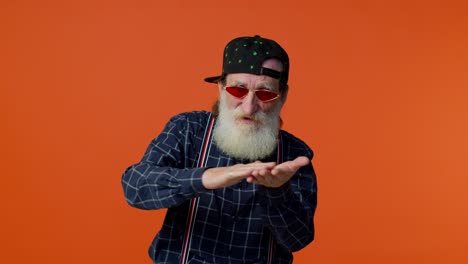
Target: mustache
<point>257,116</point>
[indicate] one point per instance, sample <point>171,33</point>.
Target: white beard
<point>246,141</point>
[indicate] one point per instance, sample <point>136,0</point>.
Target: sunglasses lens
<point>265,95</point>
<point>238,92</point>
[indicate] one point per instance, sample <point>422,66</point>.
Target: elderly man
<point>238,188</point>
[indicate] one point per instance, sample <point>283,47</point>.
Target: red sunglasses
<point>262,94</point>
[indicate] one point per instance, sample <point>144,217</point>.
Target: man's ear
<point>220,87</point>
<point>284,95</point>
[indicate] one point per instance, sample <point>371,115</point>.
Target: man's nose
<point>249,104</point>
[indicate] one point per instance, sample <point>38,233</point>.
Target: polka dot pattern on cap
<point>247,54</point>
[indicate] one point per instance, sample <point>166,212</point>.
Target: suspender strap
<point>206,143</point>
<point>279,159</point>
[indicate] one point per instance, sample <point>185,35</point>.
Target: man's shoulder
<point>295,144</point>
<point>195,118</point>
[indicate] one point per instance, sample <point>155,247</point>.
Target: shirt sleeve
<point>166,176</point>
<point>289,210</point>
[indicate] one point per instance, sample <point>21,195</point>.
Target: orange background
<point>379,90</point>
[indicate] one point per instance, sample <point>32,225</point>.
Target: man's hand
<point>267,174</point>
<point>215,178</point>
<point>279,174</point>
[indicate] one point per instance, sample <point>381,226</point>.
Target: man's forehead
<point>246,79</point>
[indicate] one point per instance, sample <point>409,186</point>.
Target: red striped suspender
<point>194,202</point>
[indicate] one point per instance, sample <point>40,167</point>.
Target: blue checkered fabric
<point>232,224</point>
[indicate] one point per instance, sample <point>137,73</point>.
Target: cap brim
<point>213,79</point>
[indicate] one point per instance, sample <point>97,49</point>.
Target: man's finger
<point>301,161</point>
<point>291,166</point>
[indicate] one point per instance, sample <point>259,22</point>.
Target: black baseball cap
<point>247,54</point>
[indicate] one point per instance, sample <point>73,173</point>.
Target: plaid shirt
<point>233,224</point>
